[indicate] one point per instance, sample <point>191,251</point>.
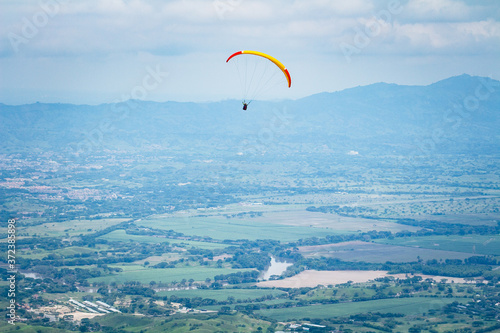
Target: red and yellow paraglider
<point>256,75</point>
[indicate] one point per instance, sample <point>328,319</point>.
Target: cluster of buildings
<point>101,307</point>
<point>304,327</point>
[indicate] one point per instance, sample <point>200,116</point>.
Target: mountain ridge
<point>456,78</point>
<point>465,108</point>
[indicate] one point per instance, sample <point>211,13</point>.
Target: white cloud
<point>307,33</point>
<point>451,38</point>
<point>325,8</point>
<point>442,10</point>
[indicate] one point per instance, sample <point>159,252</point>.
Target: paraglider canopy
<point>267,56</point>
<point>258,73</point>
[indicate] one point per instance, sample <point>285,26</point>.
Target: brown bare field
<point>78,316</point>
<point>63,310</point>
<point>313,278</point>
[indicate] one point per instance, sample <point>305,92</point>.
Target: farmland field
<point>378,253</point>
<point>477,244</point>
<point>223,294</point>
<point>222,228</point>
<point>68,251</point>
<point>406,306</point>
<point>145,275</point>
<point>122,236</point>
<point>468,219</point>
<point>281,224</point>
<point>69,228</point>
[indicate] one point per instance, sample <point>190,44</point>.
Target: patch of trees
<point>472,267</point>
<point>45,243</point>
<point>91,237</point>
<point>259,260</point>
<point>194,302</point>
<point>263,245</point>
<point>152,232</point>
<point>441,228</point>
<point>331,264</point>
<point>342,210</point>
<point>136,289</point>
<point>85,261</point>
<point>164,265</point>
<point>290,255</point>
<point>482,260</point>
<point>250,214</point>
<point>429,227</point>
<point>237,278</point>
<point>450,267</point>
<point>331,239</point>
<point>5,215</point>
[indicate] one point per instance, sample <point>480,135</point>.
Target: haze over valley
<point>371,208</point>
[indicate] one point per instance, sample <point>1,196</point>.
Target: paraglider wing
<point>267,56</point>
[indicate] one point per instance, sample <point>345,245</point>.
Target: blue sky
<point>99,51</point>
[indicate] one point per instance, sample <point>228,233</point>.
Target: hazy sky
<point>100,51</point>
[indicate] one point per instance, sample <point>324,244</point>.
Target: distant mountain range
<point>460,114</point>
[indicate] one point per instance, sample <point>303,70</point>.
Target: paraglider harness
<point>245,105</point>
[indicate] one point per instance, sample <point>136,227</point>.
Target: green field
<point>490,219</point>
<point>285,223</point>
<point>166,275</point>
<point>122,236</point>
<point>69,228</point>
<point>223,294</point>
<point>378,253</point>
<point>67,251</point>
<point>5,327</point>
<point>180,323</point>
<point>407,306</point>
<point>233,229</point>
<point>476,244</point>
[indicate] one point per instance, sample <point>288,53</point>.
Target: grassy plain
<point>233,229</point>
<point>282,222</point>
<point>223,294</point>
<point>405,306</point>
<point>468,219</point>
<point>377,252</point>
<point>179,323</point>
<point>476,244</point>
<point>68,228</point>
<point>122,236</point>
<point>5,327</point>
<point>67,251</point>
<point>145,275</point>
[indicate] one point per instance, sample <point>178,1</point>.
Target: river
<point>275,268</point>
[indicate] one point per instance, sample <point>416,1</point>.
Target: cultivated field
<point>67,251</point>
<point>122,236</point>
<point>68,228</point>
<point>221,228</point>
<point>476,244</point>
<point>407,306</point>
<point>284,223</point>
<point>377,253</point>
<point>166,275</point>
<point>223,294</point>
